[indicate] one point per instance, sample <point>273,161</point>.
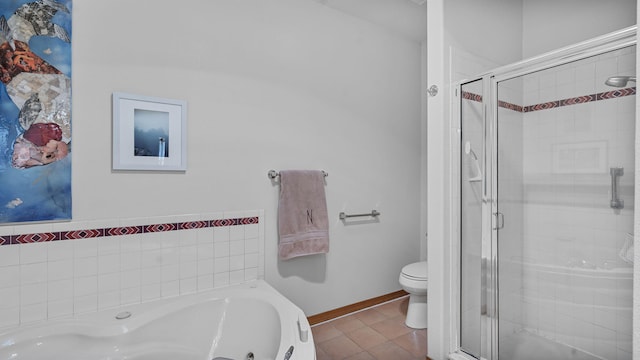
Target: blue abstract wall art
<point>35,110</point>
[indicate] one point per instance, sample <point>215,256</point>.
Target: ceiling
<point>405,17</point>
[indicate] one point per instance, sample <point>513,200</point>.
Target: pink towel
<point>303,223</point>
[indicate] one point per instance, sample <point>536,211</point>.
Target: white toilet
<point>413,279</point>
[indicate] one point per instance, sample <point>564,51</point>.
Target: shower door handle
<point>499,220</point>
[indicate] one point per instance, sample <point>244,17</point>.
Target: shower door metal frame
<point>485,221</point>
<point>490,209</point>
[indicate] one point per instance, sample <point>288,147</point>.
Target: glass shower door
<point>564,221</point>
<point>473,297</point>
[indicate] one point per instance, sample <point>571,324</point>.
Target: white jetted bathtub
<point>239,322</point>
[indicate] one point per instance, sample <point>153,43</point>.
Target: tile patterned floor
<point>377,333</point>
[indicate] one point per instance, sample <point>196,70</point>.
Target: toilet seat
<point>415,271</point>
<point>414,278</point>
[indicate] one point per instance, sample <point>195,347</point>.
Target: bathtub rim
<point>103,323</point>
<point>621,272</point>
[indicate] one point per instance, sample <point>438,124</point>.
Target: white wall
<point>270,84</point>
<point>489,29</point>
<point>438,310</point>
<point>550,24</point>
<point>273,84</point>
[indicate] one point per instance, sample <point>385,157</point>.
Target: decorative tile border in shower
<point>558,103</point>
<point>471,96</point>
<point>509,106</point>
<point>582,99</point>
<point>124,230</point>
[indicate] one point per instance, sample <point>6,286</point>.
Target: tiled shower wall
<point>56,270</point>
<point>567,196</point>
<point>576,290</point>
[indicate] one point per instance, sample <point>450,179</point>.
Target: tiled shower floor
<point>375,333</point>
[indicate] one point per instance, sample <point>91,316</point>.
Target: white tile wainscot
<point>56,270</point>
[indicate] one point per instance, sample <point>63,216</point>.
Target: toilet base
<point>417,312</point>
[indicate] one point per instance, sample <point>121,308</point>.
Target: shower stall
<point>546,163</point>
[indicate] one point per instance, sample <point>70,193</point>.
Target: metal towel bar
<point>373,213</point>
<point>272,174</point>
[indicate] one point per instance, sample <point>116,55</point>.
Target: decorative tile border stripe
<point>558,103</point>
<point>31,238</point>
<point>125,230</point>
<point>582,99</point>
<point>509,106</point>
<point>578,100</point>
<point>616,93</point>
<point>193,225</point>
<point>81,234</point>
<point>471,96</point>
<point>542,106</point>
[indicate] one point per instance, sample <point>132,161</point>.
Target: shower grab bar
<point>616,202</point>
<point>373,213</point>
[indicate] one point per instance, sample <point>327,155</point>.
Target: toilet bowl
<point>413,279</point>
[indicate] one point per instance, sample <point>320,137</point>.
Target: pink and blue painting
<point>35,110</point>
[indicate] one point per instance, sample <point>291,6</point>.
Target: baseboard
<point>336,313</point>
